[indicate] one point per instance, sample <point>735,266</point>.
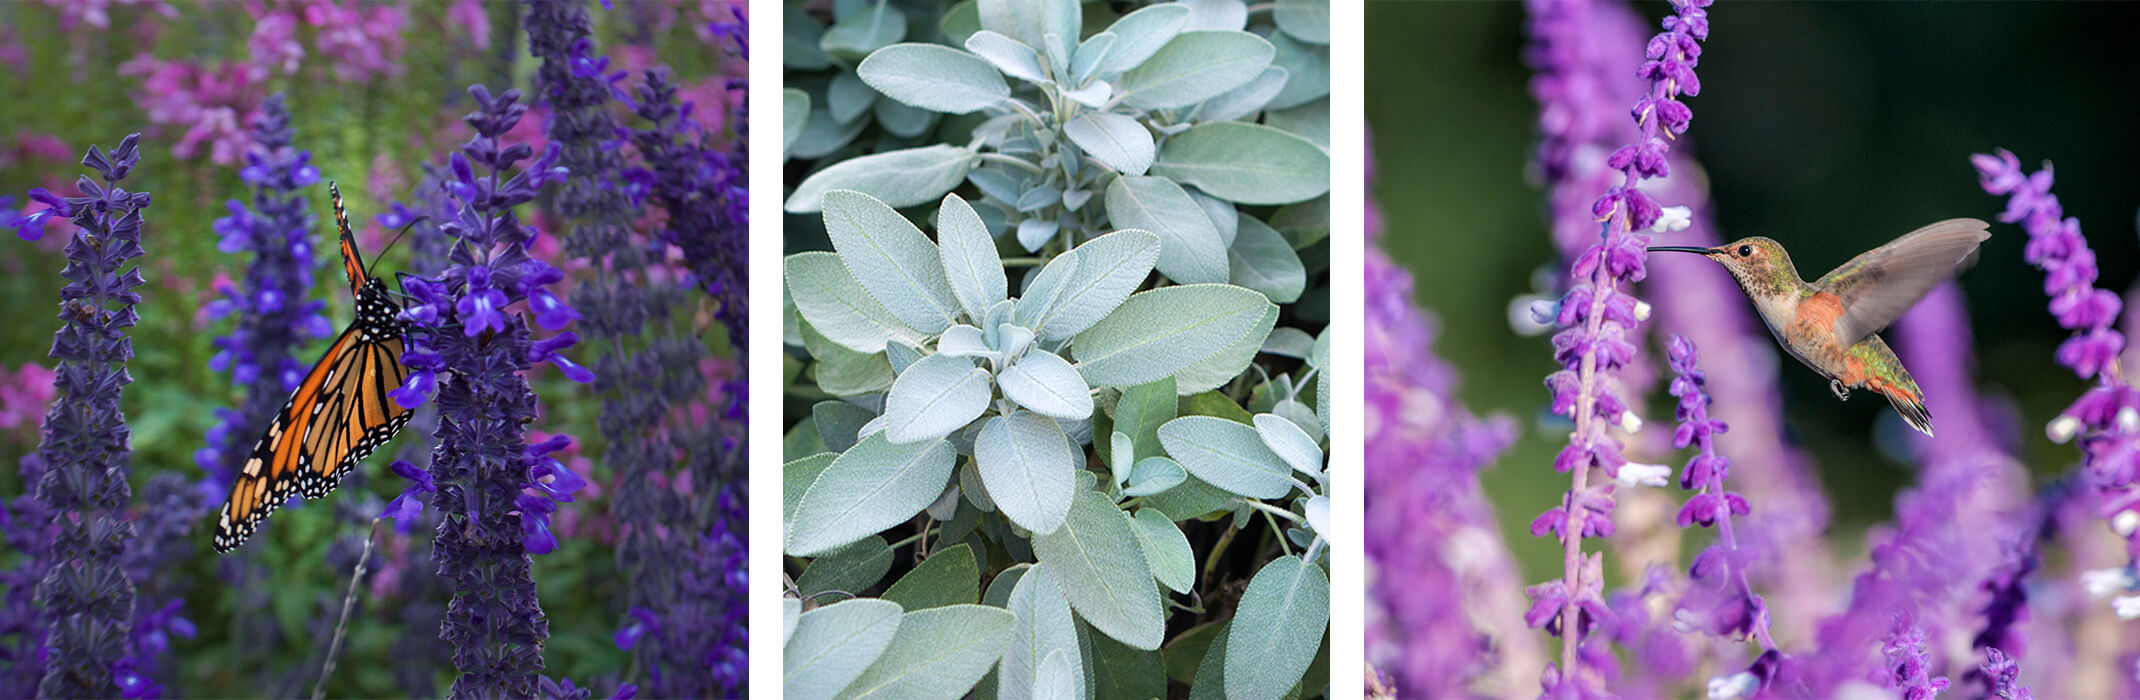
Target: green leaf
<point>935,78</point>
<point>1029,468</point>
<point>1044,628</point>
<point>1322,383</point>
<point>794,111</point>
<point>959,22</point>
<point>872,486</point>
<point>828,296</point>
<point>795,478</point>
<point>1125,673</point>
<point>800,35</point>
<point>1212,403</point>
<point>1108,268</point>
<point>843,372</point>
<point>1046,384</point>
<point>1087,61</point>
<point>903,178</point>
<point>1098,565</point>
<point>1160,332</point>
<point>1219,369</point>
<point>1058,678</point>
<point>1115,140</point>
<point>1307,72</point>
<point>1245,100</point>
<point>834,644</point>
<point>1211,674</point>
<point>1018,19</point>
<point>1277,629</point>
<point>892,259</point>
<point>1228,455</point>
<point>1187,650</point>
<point>1246,163</point>
<point>903,121</point>
<point>1140,34</point>
<point>1306,20</point>
<point>1152,475</point>
<point>1194,67</point>
<point>938,653</point>
<point>822,135</point>
<point>970,260</point>
<point>851,569</point>
<point>1166,550</point>
<point>848,97</point>
<point>1061,23</point>
<point>933,398</point>
<point>1140,412</point>
<point>1291,444</point>
<point>790,614</point>
<point>1192,499</point>
<point>1001,587</point>
<point>1262,260</point>
<point>948,577</point>
<point>838,422</point>
<point>1009,55</point>
<point>860,33</point>
<point>1191,250</point>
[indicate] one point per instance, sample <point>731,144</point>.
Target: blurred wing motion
<point>337,416</point>
<point>1878,287</point>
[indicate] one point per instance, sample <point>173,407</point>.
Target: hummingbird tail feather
<point>1911,407</point>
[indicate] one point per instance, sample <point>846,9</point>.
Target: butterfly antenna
<point>404,231</point>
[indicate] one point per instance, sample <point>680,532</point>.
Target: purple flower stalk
<point>1910,667</point>
<point>496,491</point>
<point>2106,418</point>
<point>1719,600</point>
<point>1599,319</point>
<point>274,317</point>
<point>2004,676</point>
<point>26,526</point>
<point>86,594</point>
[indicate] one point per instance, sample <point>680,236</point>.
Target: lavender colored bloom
<point>1599,319</point>
<point>1908,663</point>
<point>2106,418</point>
<point>27,527</point>
<point>87,596</point>
<point>2004,676</point>
<point>482,464</point>
<point>274,319</point>
<point>31,225</point>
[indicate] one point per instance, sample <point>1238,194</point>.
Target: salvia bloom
<point>1423,455</point>
<point>86,595</point>
<point>26,526</point>
<point>2106,419</point>
<point>274,316</point>
<point>1909,664</point>
<point>1600,338</point>
<point>496,491</point>
<point>1719,600</point>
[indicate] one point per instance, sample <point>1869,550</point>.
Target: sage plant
<point>1599,318</point>
<point>87,597</point>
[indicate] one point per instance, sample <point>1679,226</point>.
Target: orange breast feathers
<point>1813,329</point>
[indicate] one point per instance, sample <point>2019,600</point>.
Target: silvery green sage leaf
<point>1154,475</point>
<point>1115,140</point>
<point>790,614</point>
<point>848,97</point>
<point>892,259</point>
<point>1059,678</point>
<point>1246,163</point>
<point>1291,444</point>
<point>901,355</point>
<point>794,109</point>
<point>1009,55</point>
<point>1299,413</point>
<point>902,178</point>
<point>1086,62</point>
<point>1093,94</point>
<point>1099,567</point>
<point>1107,268</point>
<point>1307,77</point>
<point>1306,20</point>
<point>828,296</point>
<point>1029,468</point>
<point>1262,260</point>
<point>833,644</point>
<point>1157,333</point>
<point>1245,100</point>
<point>1034,233</point>
<point>1191,250</point>
<point>1318,510</point>
<point>902,120</point>
<point>969,254</point>
<point>1217,14</point>
<point>1139,34</point>
<point>1045,628</point>
<point>1046,384</point>
<point>1194,67</point>
<point>1277,628</point>
<point>1215,371</point>
<point>1014,338</point>
<point>839,422</point>
<point>964,341</point>
<point>859,33</point>
<point>1165,549</point>
<point>872,486</point>
<point>1061,23</point>
<point>933,77</point>
<point>1121,456</point>
<point>1046,286</point>
<point>935,396</point>
<point>937,653</point>
<point>1019,19</point>
<point>844,372</point>
<point>1228,455</point>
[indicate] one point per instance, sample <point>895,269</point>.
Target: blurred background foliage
<point>1831,127</point>
<point>376,89</point>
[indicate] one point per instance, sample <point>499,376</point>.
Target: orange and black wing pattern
<point>337,416</point>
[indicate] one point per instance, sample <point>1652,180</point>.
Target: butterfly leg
<point>1841,392</point>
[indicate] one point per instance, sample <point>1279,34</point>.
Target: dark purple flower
<point>31,225</point>
<point>86,593</point>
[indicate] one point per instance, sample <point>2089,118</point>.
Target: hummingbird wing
<point>1878,287</point>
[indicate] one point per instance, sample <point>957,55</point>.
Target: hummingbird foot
<point>1842,393</point>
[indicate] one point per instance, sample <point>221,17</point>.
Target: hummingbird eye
<point>1746,251</point>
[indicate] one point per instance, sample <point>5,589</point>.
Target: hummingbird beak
<point>1682,249</point>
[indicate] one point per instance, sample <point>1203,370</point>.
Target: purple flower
<point>1908,663</point>
<point>1596,345</point>
<point>84,451</point>
<point>481,466</point>
<point>2003,674</point>
<point>2106,419</point>
<point>1718,600</point>
<point>273,320</point>
<point>408,506</point>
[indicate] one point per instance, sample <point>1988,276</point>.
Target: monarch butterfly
<point>337,416</point>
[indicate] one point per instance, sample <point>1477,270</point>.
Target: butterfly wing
<point>1878,287</point>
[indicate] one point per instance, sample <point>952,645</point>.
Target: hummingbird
<point>1831,324</point>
